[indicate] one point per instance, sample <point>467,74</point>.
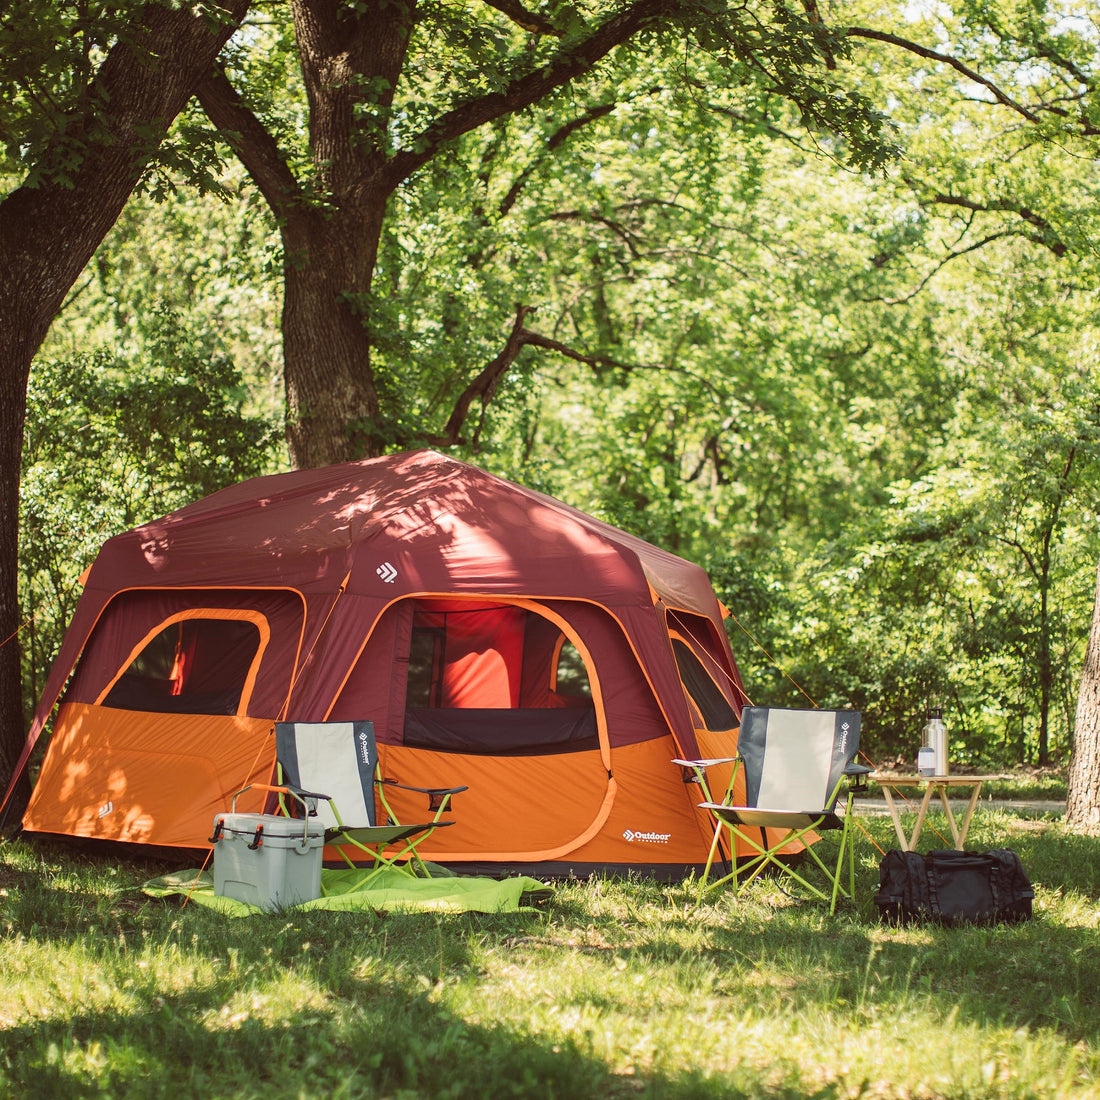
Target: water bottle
<point>934,737</point>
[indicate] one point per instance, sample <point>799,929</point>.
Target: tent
<point>497,638</point>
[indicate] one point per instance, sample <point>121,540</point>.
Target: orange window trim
<point>554,659</point>
<point>589,663</point>
<point>532,605</point>
<point>235,614</point>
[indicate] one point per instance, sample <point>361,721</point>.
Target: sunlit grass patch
<point>617,988</point>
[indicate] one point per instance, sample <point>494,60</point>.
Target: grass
<point>614,989</point>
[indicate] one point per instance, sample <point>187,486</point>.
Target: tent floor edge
<point>564,869</point>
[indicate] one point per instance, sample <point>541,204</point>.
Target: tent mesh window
<point>496,680</point>
<point>712,706</point>
<point>194,666</point>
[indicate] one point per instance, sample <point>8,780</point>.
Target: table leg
<point>969,814</point>
<point>950,817</point>
<point>895,816</point>
<point>921,813</point>
<point>908,843</point>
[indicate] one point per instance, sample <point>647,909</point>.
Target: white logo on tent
<point>630,836</point>
<point>387,572</point>
<point>106,808</point>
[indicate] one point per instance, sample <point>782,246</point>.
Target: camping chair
<point>341,759</point>
<point>795,763</point>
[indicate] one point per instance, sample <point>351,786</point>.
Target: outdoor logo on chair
<point>364,747</point>
<point>630,836</point>
<point>844,728</point>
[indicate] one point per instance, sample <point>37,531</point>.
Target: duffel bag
<point>950,887</point>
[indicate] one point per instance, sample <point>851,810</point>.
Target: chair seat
<point>382,834</point>
<point>760,818</point>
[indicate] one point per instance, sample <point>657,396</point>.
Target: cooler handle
<point>300,796</point>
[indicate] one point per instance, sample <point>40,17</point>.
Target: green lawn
<point>612,989</point>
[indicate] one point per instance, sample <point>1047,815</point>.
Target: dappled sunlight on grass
<point>615,989</point>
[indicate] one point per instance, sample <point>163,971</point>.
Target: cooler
<point>267,860</point>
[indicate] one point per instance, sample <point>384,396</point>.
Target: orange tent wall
<point>147,778</point>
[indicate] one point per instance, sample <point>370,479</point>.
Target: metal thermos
<point>934,746</point>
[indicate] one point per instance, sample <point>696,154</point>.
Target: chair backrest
<point>337,759</point>
<point>795,759</point>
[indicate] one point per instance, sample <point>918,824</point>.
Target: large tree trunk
<point>1083,796</point>
<point>332,412</point>
<point>49,232</point>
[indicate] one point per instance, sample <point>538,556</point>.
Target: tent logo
<point>631,837</point>
<point>387,572</point>
<point>105,809</point>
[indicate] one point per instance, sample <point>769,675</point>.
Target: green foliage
<point>111,443</point>
<point>864,400</point>
<point>48,53</point>
<point>212,262</point>
<point>49,56</point>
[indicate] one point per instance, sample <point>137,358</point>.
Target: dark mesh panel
<point>523,731</point>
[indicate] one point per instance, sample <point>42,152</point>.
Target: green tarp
<point>390,890</point>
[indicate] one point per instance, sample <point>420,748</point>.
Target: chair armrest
<point>695,771</point>
<point>707,763</point>
<point>439,798</point>
<point>857,776</point>
<point>424,790</point>
<point>304,793</point>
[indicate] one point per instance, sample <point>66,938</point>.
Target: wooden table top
<point>891,779</point>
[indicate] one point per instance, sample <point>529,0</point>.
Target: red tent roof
<point>440,525</point>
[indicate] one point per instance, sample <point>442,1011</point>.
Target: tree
<point>87,100</point>
<point>393,87</point>
<point>1083,795</point>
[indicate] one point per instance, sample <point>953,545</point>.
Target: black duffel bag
<point>950,887</point>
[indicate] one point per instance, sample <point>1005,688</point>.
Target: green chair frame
<point>821,743</point>
<point>343,756</point>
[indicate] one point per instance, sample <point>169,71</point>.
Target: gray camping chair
<point>341,760</point>
<point>795,763</point>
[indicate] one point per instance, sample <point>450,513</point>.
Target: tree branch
<point>566,65</point>
<point>556,139</point>
<point>954,254</point>
<point>945,59</point>
<point>485,384</point>
<point>524,19</point>
<point>1047,237</point>
<point>250,141</point>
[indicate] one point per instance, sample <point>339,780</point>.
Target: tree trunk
<point>49,232</point>
<point>1083,795</point>
<point>332,412</point>
<point>1046,674</point>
